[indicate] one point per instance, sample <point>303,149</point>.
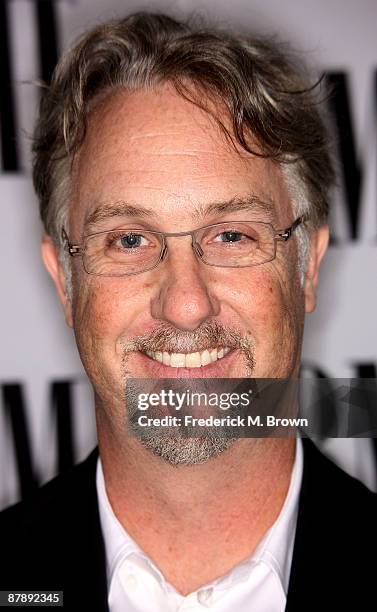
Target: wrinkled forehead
<point>155,150</point>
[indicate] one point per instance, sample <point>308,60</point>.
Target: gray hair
<point>266,95</point>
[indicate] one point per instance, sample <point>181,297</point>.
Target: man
<point>151,130</point>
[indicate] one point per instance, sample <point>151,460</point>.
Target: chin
<point>179,450</point>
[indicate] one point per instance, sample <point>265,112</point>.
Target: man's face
<point>157,151</point>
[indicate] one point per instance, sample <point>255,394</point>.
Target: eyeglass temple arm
<point>73,249</point>
<point>284,235</point>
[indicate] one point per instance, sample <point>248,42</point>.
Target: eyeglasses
<point>128,251</point>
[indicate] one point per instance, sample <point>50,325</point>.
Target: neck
<point>180,515</point>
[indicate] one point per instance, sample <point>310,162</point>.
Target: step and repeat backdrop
<point>46,403</point>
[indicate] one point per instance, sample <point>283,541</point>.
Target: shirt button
<point>130,582</point>
<point>204,596</point>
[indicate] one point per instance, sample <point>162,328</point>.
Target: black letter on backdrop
<point>47,37</point>
<point>61,404</point>
<point>340,109</point>
<point>14,407</point>
<point>324,421</point>
<point>15,414</point>
<point>7,109</point>
<point>369,370</point>
<point>48,54</point>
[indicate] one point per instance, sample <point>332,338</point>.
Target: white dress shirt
<point>259,584</point>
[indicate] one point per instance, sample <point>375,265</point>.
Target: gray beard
<point>177,448</point>
<point>181,450</point>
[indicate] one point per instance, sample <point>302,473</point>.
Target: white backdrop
<point>36,349</point>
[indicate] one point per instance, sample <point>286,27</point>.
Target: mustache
<point>210,334</point>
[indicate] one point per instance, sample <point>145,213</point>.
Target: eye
<point>230,236</point>
<point>126,241</point>
<point>131,241</point>
<point>242,236</point>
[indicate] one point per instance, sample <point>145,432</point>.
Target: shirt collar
<point>275,549</point>
<point>118,543</point>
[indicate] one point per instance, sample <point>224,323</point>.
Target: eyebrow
<point>251,203</point>
<point>118,209</point>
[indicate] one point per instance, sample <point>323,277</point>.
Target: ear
<point>54,267</point>
<point>318,245</point>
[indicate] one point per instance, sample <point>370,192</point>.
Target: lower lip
<point>216,369</point>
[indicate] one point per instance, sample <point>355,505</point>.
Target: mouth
<point>197,359</point>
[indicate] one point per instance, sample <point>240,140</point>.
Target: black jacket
<point>53,541</point>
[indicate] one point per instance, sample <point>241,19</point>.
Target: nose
<point>183,297</point>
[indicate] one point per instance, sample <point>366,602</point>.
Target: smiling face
<point>157,162</point>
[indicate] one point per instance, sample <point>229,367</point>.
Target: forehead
<point>157,150</point>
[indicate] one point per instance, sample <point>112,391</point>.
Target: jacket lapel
<point>86,570</point>
<point>329,568</point>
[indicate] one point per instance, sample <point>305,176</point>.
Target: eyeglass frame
<point>76,250</point>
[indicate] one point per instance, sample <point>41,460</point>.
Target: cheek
<point>267,310</point>
<point>270,305</point>
<point>103,311</point>
<point>259,299</point>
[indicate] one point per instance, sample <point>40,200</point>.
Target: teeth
<point>189,360</point>
<point>205,358</point>
<point>193,360</point>
<point>177,360</point>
